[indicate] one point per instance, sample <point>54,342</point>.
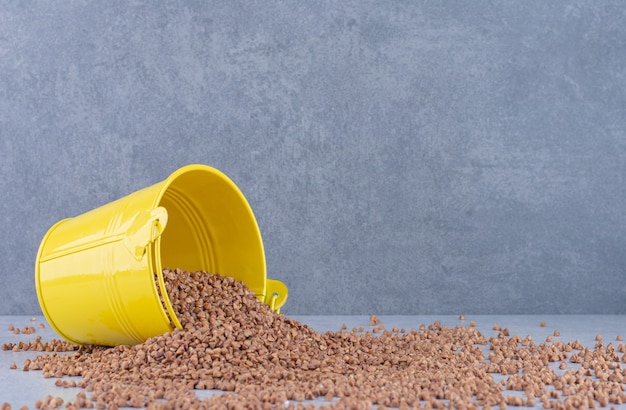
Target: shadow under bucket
<point>95,273</point>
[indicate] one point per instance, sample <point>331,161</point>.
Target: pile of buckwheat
<point>232,342</point>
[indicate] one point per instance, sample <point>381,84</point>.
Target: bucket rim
<point>165,185</point>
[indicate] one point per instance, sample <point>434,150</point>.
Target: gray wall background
<point>401,157</point>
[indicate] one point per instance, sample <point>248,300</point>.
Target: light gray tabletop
<point>24,388</point>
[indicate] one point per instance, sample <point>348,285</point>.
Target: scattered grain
<point>230,341</point>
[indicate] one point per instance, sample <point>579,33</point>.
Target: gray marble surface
<point>401,157</point>
<point>24,388</point>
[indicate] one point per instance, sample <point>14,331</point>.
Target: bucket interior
<point>210,227</point>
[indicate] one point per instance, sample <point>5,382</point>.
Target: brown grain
<point>230,341</point>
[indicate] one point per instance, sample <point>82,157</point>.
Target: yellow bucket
<point>95,273</point>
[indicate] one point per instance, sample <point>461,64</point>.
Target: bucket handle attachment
<point>275,294</point>
<point>146,227</point>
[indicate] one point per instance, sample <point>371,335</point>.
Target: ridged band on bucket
<point>99,275</point>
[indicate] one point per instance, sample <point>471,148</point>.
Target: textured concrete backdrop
<point>401,157</point>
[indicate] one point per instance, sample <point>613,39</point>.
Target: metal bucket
<point>99,275</point>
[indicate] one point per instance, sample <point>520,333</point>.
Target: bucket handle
<point>146,227</point>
